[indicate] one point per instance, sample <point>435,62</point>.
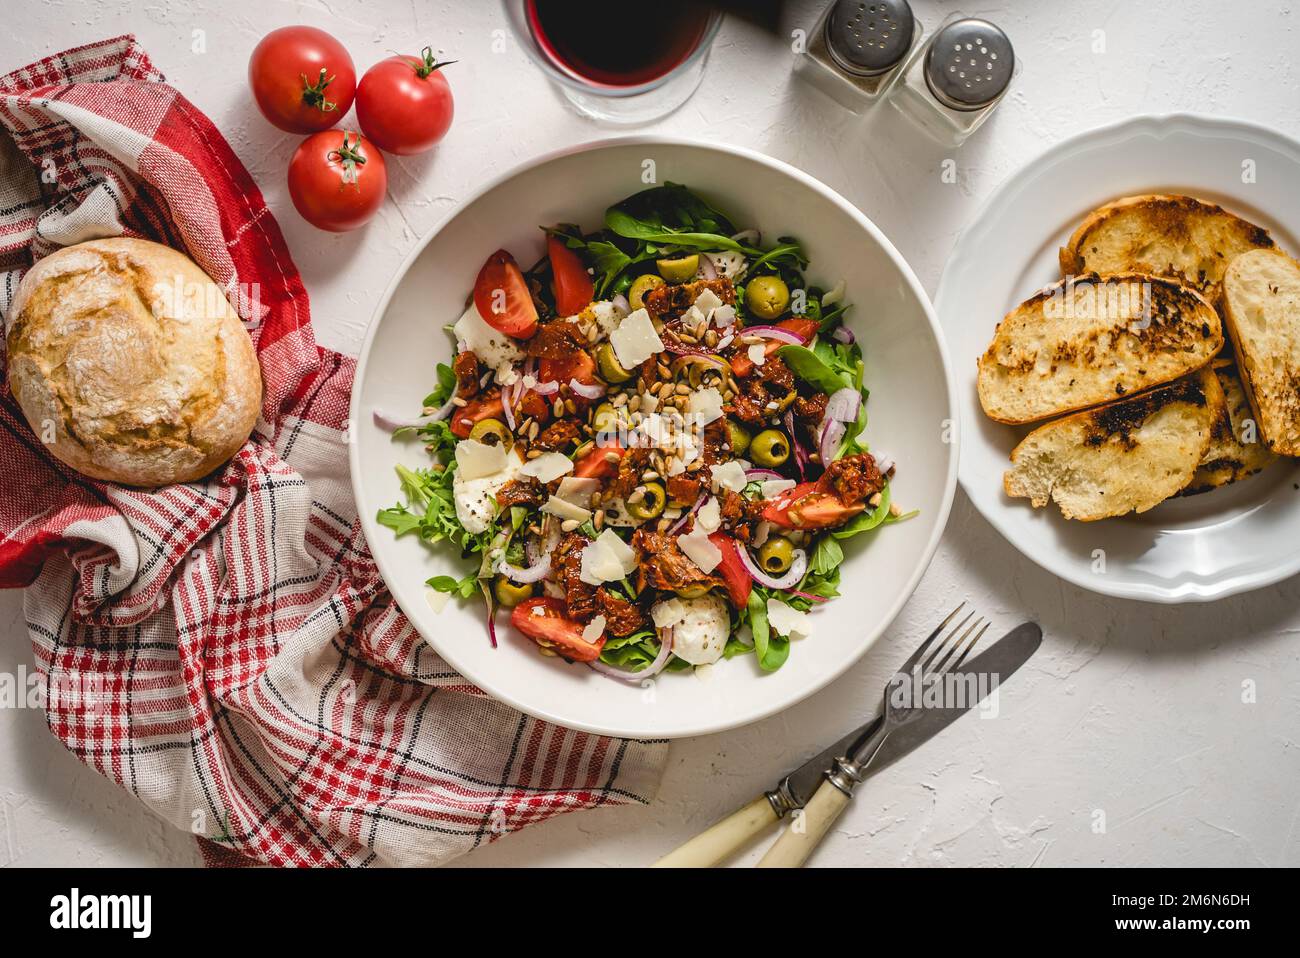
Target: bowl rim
<point>370,528</point>
<point>1158,126</point>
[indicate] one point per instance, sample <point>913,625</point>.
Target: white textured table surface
<point>1131,711</point>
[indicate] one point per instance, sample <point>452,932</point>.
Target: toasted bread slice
<point>1123,457</point>
<point>1236,451</point>
<point>1180,237</point>
<point>1089,341</point>
<point>1262,305</point>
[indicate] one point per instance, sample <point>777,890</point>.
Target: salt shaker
<point>952,83</point>
<point>855,52</point>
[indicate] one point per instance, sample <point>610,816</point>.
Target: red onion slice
<point>759,475</point>
<point>798,566</point>
<point>694,509</point>
<point>509,397</point>
<point>707,269</point>
<point>800,453</point>
<point>774,332</point>
<point>829,443</point>
<point>884,462</point>
<point>844,405</point>
<point>842,334</point>
<point>621,304</point>
<point>587,390</point>
<point>547,388</point>
<point>534,573</point>
<point>393,423</point>
<point>807,595</point>
<point>747,236</point>
<point>654,668</point>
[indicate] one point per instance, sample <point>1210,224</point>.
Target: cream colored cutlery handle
<point>804,833</point>
<point>718,841</point>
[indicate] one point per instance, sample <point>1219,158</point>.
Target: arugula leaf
<point>772,650</point>
<point>826,556</point>
<point>812,369</point>
<point>446,386</point>
<point>465,587</point>
<point>671,215</point>
<point>398,519</point>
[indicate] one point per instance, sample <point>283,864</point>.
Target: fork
<point>934,657</point>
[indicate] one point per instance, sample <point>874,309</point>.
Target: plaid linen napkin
<point>226,650</point>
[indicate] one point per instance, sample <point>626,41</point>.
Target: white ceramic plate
<point>906,369</point>
<point>1203,547</point>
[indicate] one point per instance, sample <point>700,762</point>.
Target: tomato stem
<point>313,94</point>
<point>428,63</point>
<point>350,156</point>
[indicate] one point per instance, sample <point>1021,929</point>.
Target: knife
<point>796,789</point>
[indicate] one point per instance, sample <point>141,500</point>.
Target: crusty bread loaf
<point>1180,237</point>
<point>1236,451</point>
<point>130,363</point>
<point>1262,305</point>
<point>1123,457</point>
<point>1081,343</point>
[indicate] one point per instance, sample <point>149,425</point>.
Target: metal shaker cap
<point>969,64</point>
<point>869,37</point>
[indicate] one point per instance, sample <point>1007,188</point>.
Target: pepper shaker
<point>953,82</point>
<point>857,48</point>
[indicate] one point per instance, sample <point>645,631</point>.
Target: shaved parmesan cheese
<point>724,316</point>
<point>666,613</point>
<point>600,564</point>
<point>757,354</point>
<point>709,516</point>
<point>706,404</point>
<point>649,403</point>
<point>774,487</point>
<point>786,620</point>
<point>548,467</point>
<point>635,340</point>
<point>707,301</point>
<point>437,600</point>
<point>697,547</point>
<point>594,630</point>
<point>729,475</point>
<point>475,459</point>
<point>578,489</point>
<point>557,506</point>
<point>491,347</point>
<point>476,499</point>
<point>621,550</point>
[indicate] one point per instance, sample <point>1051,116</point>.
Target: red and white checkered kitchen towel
<point>226,650</point>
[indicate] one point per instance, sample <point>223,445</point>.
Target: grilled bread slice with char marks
<point>1179,237</point>
<point>1262,306</point>
<point>1123,457</point>
<point>1236,451</point>
<point>1084,342</point>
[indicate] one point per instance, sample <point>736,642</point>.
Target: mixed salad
<point>650,443</point>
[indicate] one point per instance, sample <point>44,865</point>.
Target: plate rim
<point>1159,125</point>
<point>943,509</point>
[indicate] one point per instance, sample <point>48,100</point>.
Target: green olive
<point>605,418</point>
<point>738,437</point>
<point>650,505</point>
<point>611,370</point>
<point>510,594</point>
<point>776,554</point>
<point>640,286</point>
<point>491,432</point>
<point>679,270</point>
<point>767,296</point>
<point>769,448</point>
<point>695,591</point>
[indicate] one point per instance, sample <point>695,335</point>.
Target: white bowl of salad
<point>653,438</point>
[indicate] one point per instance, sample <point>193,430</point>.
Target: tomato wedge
<point>735,576</point>
<point>545,620</point>
<point>502,298</point>
<point>463,418</point>
<point>803,326</point>
<point>807,506</point>
<point>595,465</point>
<point>579,366</point>
<point>571,283</point>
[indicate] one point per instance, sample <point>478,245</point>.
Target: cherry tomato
<point>570,282</point>
<point>595,465</point>
<point>302,78</point>
<point>579,366</point>
<point>546,621</point>
<point>810,505</point>
<point>803,326</point>
<point>404,103</point>
<point>337,180</point>
<point>735,576</point>
<point>502,297</point>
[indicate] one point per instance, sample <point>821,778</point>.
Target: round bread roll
<point>131,364</point>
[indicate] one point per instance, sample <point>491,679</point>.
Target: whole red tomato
<point>302,78</point>
<point>337,180</point>
<point>404,103</point>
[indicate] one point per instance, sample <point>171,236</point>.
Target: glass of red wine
<point>618,62</point>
